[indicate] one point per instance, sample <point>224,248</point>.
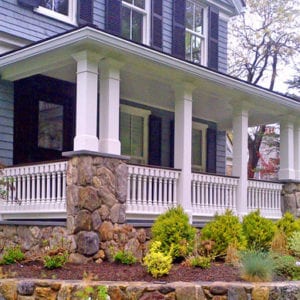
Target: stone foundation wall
<point>291,198</point>
<point>11,289</point>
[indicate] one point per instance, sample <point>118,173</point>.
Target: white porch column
<point>183,145</point>
<point>86,101</point>
<point>287,169</point>
<point>240,158</point>
<point>109,109</point>
<point>297,150</point>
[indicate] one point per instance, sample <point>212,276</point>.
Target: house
<point>144,79</point>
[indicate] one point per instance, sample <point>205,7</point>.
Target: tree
<point>268,39</point>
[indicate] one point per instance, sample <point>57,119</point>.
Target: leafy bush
<point>288,224</point>
<point>258,231</point>
<point>90,292</point>
<point>12,255</point>
<point>294,243</point>
<point>157,263</point>
<point>224,230</point>
<point>174,232</point>
<point>285,265</point>
<point>125,257</point>
<point>56,261</point>
<point>256,266</point>
<point>202,262</point>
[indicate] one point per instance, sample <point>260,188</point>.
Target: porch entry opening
<point>44,119</point>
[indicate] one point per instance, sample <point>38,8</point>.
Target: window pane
<point>50,127</point>
<point>60,6</point>
<point>139,3</point>
<point>189,15</point>
<point>137,136</point>
<point>47,4</point>
<point>125,22</point>
<point>128,1</point>
<point>137,27</point>
<point>188,48</point>
<point>125,133</point>
<point>197,147</point>
<point>198,19</point>
<point>196,49</point>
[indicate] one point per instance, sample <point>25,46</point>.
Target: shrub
<point>174,232</point>
<point>288,224</point>
<point>256,266</point>
<point>285,265</point>
<point>279,243</point>
<point>157,263</point>
<point>12,255</point>
<point>56,261</point>
<point>90,292</point>
<point>125,257</point>
<point>224,230</point>
<point>232,255</point>
<point>258,231</point>
<point>202,262</point>
<point>294,243</point>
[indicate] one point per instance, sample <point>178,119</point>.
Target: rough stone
<point>35,231</point>
<point>70,224</point>
<point>8,290</point>
<point>26,238</point>
<point>166,289</point>
<point>85,172</point>
<point>218,290</point>
<point>99,254</point>
<point>88,198</point>
<point>297,195</point>
<point>107,197</point>
<point>289,187</point>
<point>78,259</point>
<point>152,296</point>
<point>116,293</point>
<point>26,288</point>
<point>87,243</point>
<point>106,231</point>
<point>106,179</point>
<point>260,293</point>
<point>291,292</point>
<point>65,293</point>
<point>115,213</point>
<point>237,293</point>
<point>83,221</point>
<point>133,246</point>
<point>96,220</point>
<point>44,293</point>
<point>104,213</point>
<point>289,203</point>
<point>187,292</point>
<point>121,182</point>
<point>72,199</point>
<point>141,235</point>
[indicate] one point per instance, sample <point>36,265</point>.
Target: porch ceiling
<point>149,77</point>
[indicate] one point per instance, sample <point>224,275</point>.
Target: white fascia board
<point>99,38</point>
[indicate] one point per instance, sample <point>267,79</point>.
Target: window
<point>135,20</point>
<point>134,133</point>
<point>63,10</point>
<point>199,146</point>
<point>196,28</point>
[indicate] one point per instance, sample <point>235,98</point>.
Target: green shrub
<point>125,257</point>
<point>157,263</point>
<point>288,224</point>
<point>294,243</point>
<point>285,265</point>
<point>174,232</point>
<point>89,292</point>
<point>12,255</point>
<point>202,262</point>
<point>258,231</point>
<point>256,266</point>
<point>224,230</point>
<point>56,261</point>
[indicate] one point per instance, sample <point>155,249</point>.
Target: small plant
<point>12,255</point>
<point>125,257</point>
<point>224,230</point>
<point>198,261</point>
<point>89,293</point>
<point>157,263</point>
<point>258,231</point>
<point>174,232</point>
<point>285,265</point>
<point>102,293</point>
<point>288,224</point>
<point>256,266</point>
<point>56,261</point>
<point>294,243</point>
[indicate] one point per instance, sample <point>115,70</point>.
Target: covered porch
<point>111,76</point>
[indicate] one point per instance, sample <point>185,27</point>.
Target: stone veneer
<point>21,289</point>
<point>291,198</point>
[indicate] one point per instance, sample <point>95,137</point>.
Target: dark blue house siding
<point>167,26</point>
<point>6,122</point>
<point>99,13</point>
<point>222,46</point>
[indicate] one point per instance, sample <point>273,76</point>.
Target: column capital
<point>87,60</point>
<point>183,90</point>
<point>110,68</point>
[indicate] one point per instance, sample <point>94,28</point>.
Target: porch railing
<point>150,190</point>
<point>266,196</point>
<point>35,191</point>
<point>211,194</point>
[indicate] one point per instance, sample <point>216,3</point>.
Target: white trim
<point>70,18</point>
<point>200,127</point>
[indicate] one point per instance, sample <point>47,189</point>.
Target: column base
<point>85,142</point>
<point>110,146</point>
<point>286,174</point>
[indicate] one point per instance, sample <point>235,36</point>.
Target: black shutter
<point>30,3</point>
<point>156,30</point>
<point>113,16</point>
<point>178,36</point>
<point>172,141</point>
<point>211,150</point>
<point>213,39</point>
<point>84,12</point>
<point>154,140</point>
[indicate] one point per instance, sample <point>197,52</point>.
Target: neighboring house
<point>140,78</point>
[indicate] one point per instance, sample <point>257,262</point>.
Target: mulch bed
<point>107,271</point>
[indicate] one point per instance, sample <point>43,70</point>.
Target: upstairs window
<point>135,23</point>
<point>196,36</point>
<point>63,10</point>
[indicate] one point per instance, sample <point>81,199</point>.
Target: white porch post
<point>86,101</point>
<point>287,169</point>
<point>297,150</point>
<point>183,145</point>
<point>240,158</point>
<point>109,109</point>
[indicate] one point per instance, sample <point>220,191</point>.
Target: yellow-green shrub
<point>174,232</point>
<point>157,263</point>
<point>294,243</point>
<point>258,231</point>
<point>224,230</point>
<point>288,224</point>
